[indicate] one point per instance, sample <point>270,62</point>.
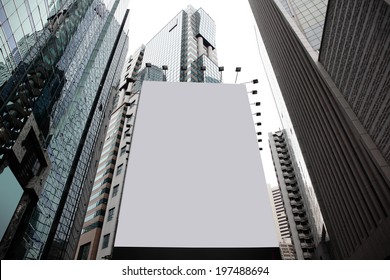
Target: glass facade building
<point>309,16</point>
<point>187,37</point>
<point>59,61</point>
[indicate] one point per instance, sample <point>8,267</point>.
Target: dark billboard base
<point>170,253</point>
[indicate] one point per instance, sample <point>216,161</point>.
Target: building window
<point>84,251</point>
<point>119,169</point>
<point>115,190</point>
<point>106,239</point>
<point>123,150</point>
<point>173,24</point>
<point>110,214</point>
<point>36,169</point>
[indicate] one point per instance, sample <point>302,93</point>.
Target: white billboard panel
<point>195,176</point>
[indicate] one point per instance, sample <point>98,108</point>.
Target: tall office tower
<point>177,53</point>
<point>60,62</point>
<point>286,246</point>
<point>187,46</point>
<point>338,102</point>
<point>301,224</point>
<point>101,214</point>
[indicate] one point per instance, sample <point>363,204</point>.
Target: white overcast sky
<point>236,45</point>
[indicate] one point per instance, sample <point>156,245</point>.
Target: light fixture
<point>221,69</point>
<point>254,91</point>
<point>183,76</point>
<point>259,123</point>
<point>255,81</point>
<point>165,68</point>
<point>238,69</point>
<point>148,65</point>
<point>203,69</point>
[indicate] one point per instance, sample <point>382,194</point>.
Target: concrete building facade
<point>299,223</point>
<point>338,104</point>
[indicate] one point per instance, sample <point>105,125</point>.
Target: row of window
<point>114,193</point>
<point>84,249</point>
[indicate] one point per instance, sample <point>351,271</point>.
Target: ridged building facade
<point>338,103</point>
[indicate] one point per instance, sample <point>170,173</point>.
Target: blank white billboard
<point>195,177</point>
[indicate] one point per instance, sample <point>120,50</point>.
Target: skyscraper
<point>176,53</point>
<point>337,100</point>
<point>185,45</point>
<point>305,235</point>
<point>61,60</point>
<point>106,192</point>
